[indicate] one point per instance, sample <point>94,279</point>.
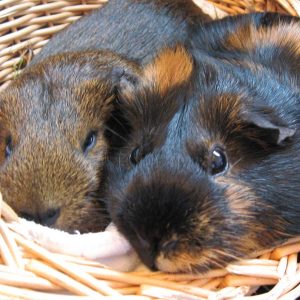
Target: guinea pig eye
<point>89,142</point>
<point>218,161</point>
<point>8,147</point>
<point>134,156</point>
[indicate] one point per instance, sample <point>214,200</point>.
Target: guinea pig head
<point>209,189</point>
<point>52,137</point>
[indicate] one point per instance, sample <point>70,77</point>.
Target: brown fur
<point>186,256</point>
<point>248,37</point>
<point>56,104</point>
<point>173,67</point>
<point>186,206</point>
<point>51,111</point>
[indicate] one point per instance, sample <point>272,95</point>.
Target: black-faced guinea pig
<point>52,117</point>
<point>213,177</point>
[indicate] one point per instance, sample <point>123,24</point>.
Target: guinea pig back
<point>218,177</point>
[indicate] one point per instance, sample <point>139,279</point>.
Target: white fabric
<point>109,247</point>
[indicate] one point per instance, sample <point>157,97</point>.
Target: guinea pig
<point>54,117</point>
<point>210,172</point>
<point>53,147</point>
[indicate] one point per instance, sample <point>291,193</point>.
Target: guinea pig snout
<point>53,186</point>
<point>46,218</point>
<point>149,250</point>
<point>158,213</point>
<point>146,251</point>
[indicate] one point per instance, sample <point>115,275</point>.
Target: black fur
<point>177,214</point>
<point>65,96</point>
<point>132,28</point>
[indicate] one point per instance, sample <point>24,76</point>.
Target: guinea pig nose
<point>170,246</point>
<point>27,216</point>
<point>146,252</point>
<point>49,217</point>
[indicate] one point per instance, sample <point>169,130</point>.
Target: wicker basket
<point>27,271</point>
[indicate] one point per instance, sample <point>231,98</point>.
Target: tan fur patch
<point>179,263</point>
<point>186,262</point>
<point>240,197</point>
<point>172,67</point>
<point>248,37</point>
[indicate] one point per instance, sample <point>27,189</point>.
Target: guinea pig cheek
<point>239,198</point>
<point>179,260</point>
<point>233,237</point>
<point>189,254</point>
<point>241,201</point>
<point>188,262</point>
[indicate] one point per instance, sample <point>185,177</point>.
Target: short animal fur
<point>210,173</point>
<point>52,117</point>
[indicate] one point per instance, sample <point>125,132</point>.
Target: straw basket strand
<point>28,271</point>
<point>291,7</point>
<point>26,26</point>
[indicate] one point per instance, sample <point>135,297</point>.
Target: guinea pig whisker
<point>115,133</point>
<point>119,164</point>
<point>117,148</point>
<point>94,195</point>
<point>237,162</point>
<point>180,119</point>
<point>209,262</point>
<point>218,261</point>
<point>225,254</point>
<point>118,121</point>
<point>119,161</point>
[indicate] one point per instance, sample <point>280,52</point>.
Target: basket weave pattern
<point>27,271</point>
<point>26,26</point>
<point>233,7</point>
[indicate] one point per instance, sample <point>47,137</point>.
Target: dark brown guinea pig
<point>52,118</point>
<point>218,179</point>
<point>53,148</point>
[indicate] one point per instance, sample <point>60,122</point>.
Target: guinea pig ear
<point>124,79</point>
<point>171,68</point>
<point>266,127</point>
<point>120,74</point>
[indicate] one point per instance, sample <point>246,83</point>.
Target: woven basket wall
<point>29,272</point>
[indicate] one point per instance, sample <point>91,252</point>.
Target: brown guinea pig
<point>213,176</point>
<point>52,124</point>
<point>52,118</point>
